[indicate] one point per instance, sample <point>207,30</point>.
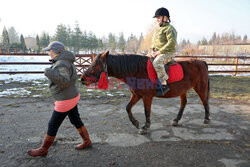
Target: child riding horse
<point>127,67</point>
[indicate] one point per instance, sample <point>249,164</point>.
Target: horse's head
<point>92,74</point>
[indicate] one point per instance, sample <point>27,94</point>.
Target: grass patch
<point>230,87</point>
<point>233,88</point>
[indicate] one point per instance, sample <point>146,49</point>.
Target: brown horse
<point>133,68</point>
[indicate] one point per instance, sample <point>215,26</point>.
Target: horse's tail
<point>208,82</point>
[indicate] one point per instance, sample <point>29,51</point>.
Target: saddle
<point>173,69</point>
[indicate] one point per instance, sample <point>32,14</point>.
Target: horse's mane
<point>126,63</point>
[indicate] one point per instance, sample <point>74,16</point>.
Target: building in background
<point>31,43</point>
<point>225,49</point>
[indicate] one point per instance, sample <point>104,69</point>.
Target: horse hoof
<point>142,131</point>
<point>206,121</point>
<point>175,123</point>
<point>136,124</point>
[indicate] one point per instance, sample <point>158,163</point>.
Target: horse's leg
<point>183,103</point>
<point>133,100</point>
<point>203,92</point>
<point>147,101</point>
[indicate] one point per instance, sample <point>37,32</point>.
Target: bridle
<point>102,69</point>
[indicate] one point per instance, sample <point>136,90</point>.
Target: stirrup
<point>161,89</point>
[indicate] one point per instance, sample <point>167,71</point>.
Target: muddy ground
<point>223,142</point>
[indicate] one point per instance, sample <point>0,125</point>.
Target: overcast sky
<point>193,19</point>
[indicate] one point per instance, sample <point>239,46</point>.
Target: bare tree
<point>13,35</point>
<point>146,43</point>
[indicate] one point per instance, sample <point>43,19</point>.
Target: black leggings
<point>58,117</point>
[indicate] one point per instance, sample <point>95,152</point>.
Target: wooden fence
<point>83,61</point>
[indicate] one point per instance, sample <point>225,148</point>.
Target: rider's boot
<point>161,89</point>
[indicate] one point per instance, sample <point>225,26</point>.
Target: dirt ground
<point>27,106</point>
<point>116,142</point>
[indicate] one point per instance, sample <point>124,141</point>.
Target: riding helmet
<point>161,12</point>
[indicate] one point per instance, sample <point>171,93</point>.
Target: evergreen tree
<point>38,44</point>
<point>213,39</point>
<point>92,41</point>
<point>44,40</point>
<point>245,38</point>
<point>188,45</point>
<point>140,41</point>
<point>232,38</point>
<point>69,38</point>
<point>105,43</point>
<point>85,41</point>
<point>218,40</point>
<point>183,43</point>
<point>100,45</point>
<point>199,42</point>
<point>23,45</point>
<point>16,46</point>
<point>121,42</point>
<point>204,41</point>
<point>112,42</point>
<point>77,39</point>
<point>238,39</point>
<point>48,39</point>
<point>95,42</point>
<point>225,38</point>
<point>5,39</point>
<point>61,34</point>
<point>210,42</point>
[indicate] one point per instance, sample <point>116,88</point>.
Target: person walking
<point>62,79</point>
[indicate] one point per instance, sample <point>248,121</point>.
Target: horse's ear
<point>104,54</point>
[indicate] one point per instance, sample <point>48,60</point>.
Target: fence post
<point>236,66</point>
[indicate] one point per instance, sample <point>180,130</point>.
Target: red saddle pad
<point>175,72</point>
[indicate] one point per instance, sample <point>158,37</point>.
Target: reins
<point>102,69</point>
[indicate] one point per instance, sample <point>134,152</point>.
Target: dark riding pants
<point>58,117</point>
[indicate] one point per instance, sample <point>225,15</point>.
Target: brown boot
<point>43,150</point>
<point>85,137</point>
